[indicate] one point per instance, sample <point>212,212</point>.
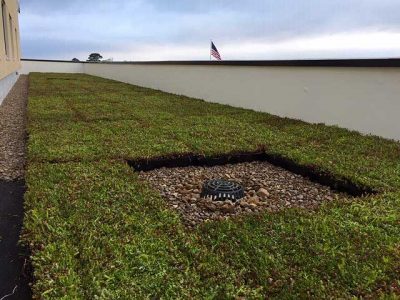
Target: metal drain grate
<point>219,189</point>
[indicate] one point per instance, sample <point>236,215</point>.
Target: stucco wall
<point>50,67</point>
<point>363,99</point>
<point>10,63</point>
<point>6,85</point>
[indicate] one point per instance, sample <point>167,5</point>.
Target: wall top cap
<point>378,62</point>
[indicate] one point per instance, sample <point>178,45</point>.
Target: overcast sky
<point>182,29</point>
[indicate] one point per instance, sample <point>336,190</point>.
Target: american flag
<point>214,52</point>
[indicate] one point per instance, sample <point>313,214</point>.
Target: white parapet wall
<point>362,95</point>
<point>366,99</point>
<point>50,66</point>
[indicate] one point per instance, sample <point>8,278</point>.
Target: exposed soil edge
<point>339,184</point>
<point>15,263</point>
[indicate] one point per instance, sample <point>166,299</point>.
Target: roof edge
<point>374,62</point>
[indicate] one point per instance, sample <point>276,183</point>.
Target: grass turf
<point>97,231</point>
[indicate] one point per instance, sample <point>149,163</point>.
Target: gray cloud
<point>60,29</point>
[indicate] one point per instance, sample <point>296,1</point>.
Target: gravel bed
<point>12,131</point>
<point>267,188</point>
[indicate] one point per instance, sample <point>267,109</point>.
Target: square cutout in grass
<point>267,188</point>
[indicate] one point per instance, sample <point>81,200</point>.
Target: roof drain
<point>220,189</point>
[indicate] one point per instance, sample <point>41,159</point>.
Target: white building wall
<point>363,99</point>
<point>366,99</point>
<point>6,85</point>
<point>50,67</point>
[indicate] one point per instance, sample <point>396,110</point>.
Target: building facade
<point>10,49</point>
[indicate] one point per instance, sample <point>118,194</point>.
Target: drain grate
<point>219,189</point>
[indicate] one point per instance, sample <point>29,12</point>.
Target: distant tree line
<point>93,57</point>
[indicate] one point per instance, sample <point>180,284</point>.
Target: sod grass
<point>96,231</point>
